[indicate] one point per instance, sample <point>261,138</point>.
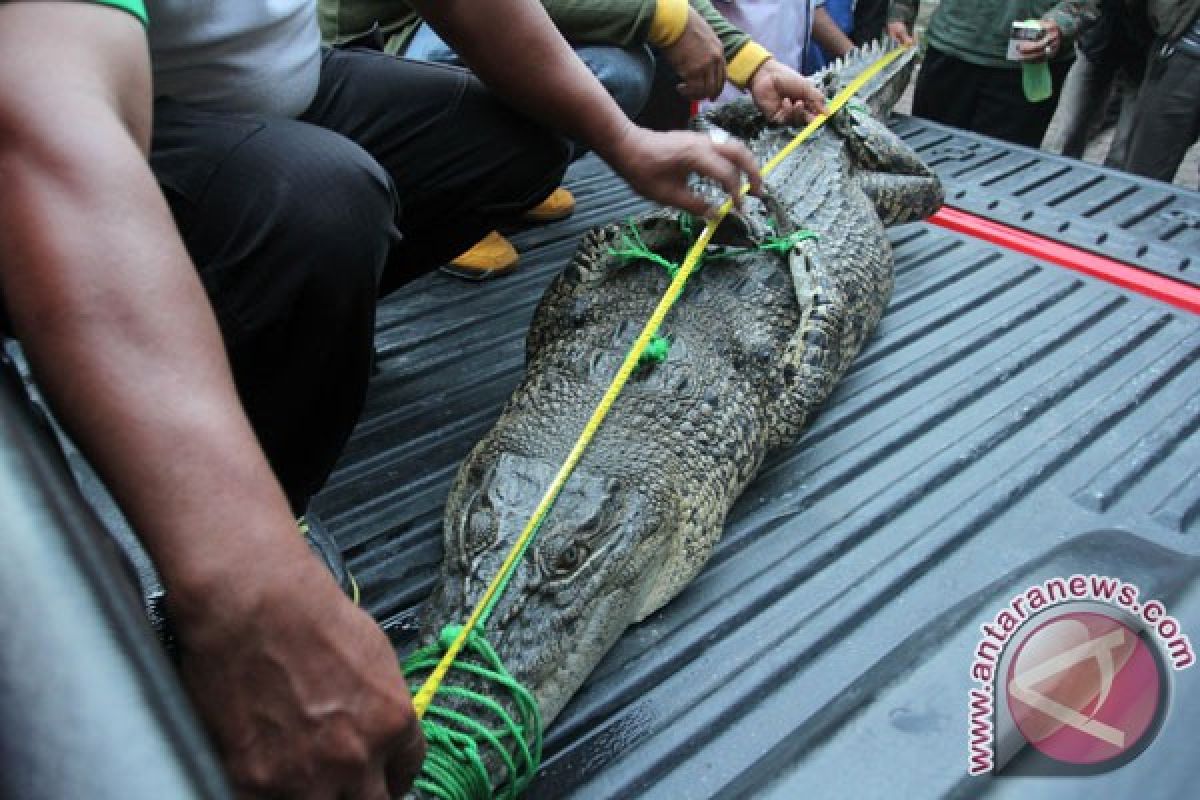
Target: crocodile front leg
<point>892,176</point>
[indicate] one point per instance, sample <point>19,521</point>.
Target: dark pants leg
<point>986,100</point>
<point>945,90</point>
<point>290,223</point>
<point>461,161</point>
<point>1085,96</point>
<point>1168,115</point>
<point>289,226</point>
<point>626,72</point>
<point>1126,92</point>
<point>666,109</point>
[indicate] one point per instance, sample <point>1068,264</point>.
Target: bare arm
<point>103,295</point>
<point>293,681</point>
<point>827,34</point>
<point>533,68</point>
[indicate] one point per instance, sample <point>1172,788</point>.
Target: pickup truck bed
<point>1010,421</point>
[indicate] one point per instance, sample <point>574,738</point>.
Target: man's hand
<point>899,31</point>
<point>300,690</point>
<point>567,96</point>
<point>784,96</point>
<point>657,166</point>
<point>699,59</point>
<point>1045,47</point>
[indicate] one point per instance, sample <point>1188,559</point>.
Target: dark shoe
<point>324,547</point>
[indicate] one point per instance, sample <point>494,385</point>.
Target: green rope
<point>779,244</point>
<point>455,767</point>
<point>656,351</point>
<point>634,249</point>
<point>685,225</point>
<point>785,244</point>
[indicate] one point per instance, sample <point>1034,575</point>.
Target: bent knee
<point>322,194</point>
<point>627,73</point>
<point>304,219</point>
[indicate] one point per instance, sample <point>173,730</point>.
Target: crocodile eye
<point>479,531</point>
<point>569,559</point>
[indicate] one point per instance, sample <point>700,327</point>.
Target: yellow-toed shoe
<point>559,205</point>
<point>491,256</point>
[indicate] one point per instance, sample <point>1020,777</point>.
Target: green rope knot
<point>459,738</point>
<point>785,244</point>
<point>778,244</point>
<point>632,248</point>
<point>656,351</point>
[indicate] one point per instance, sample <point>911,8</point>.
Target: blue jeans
<point>626,72</point>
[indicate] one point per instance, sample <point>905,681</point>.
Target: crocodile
<point>789,289</point>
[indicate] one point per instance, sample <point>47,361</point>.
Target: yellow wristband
<point>747,61</point>
<point>670,20</point>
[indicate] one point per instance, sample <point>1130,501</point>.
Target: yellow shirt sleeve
<point>747,61</point>
<point>669,22</point>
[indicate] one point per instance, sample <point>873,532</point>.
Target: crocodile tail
<point>885,87</point>
<point>741,119</point>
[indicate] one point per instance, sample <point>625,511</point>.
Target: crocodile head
<point>883,89</point>
<point>581,583</point>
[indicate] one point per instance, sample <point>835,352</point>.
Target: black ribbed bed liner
<point>1009,422</point>
<point>1147,223</point>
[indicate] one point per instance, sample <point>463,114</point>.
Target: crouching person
<point>202,325</point>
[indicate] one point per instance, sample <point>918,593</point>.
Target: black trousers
<point>298,225</point>
<point>1168,114</point>
<point>986,100</point>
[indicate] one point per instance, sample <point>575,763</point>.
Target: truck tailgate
<point>1010,422</point>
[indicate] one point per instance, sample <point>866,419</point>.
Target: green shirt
<point>135,7</point>
<point>977,31</point>
<point>617,22</point>
<point>1170,18</point>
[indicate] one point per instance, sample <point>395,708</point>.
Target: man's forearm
<point>129,355</point>
<point>732,39</point>
<point>563,95</point>
<point>828,35</point>
<point>109,308</point>
<point>1073,15</point>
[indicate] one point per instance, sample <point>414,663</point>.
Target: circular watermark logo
<point>1085,689</point>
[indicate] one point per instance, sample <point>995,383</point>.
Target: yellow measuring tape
<point>425,696</point>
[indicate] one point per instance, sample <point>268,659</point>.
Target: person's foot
<point>323,546</point>
<point>491,256</point>
<point>559,205</point>
<point>494,255</point>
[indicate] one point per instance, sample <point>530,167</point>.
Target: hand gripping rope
<point>454,767</point>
